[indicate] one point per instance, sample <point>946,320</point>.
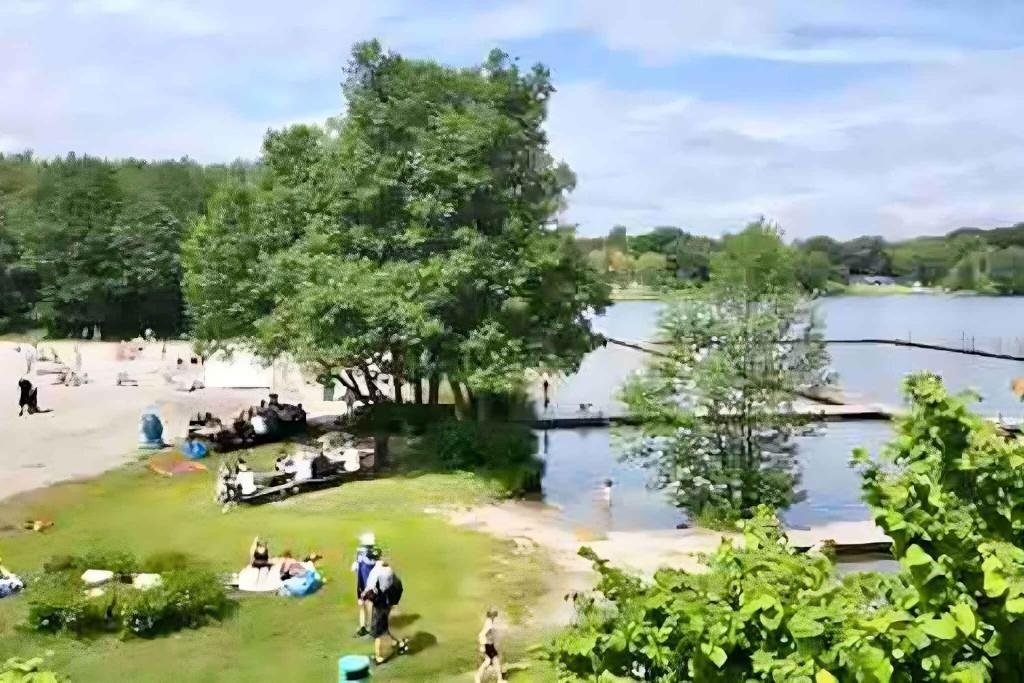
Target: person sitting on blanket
<point>292,568</point>
<point>259,555</point>
<point>9,582</point>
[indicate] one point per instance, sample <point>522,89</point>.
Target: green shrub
<point>119,562</point>
<point>59,602</point>
<point>159,563</point>
<point>188,597</point>
<point>16,670</point>
<point>502,451</point>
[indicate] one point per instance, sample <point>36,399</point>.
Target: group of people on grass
<point>378,591</point>
<point>286,574</point>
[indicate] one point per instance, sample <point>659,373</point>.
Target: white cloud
<point>896,157</point>
<point>936,144</point>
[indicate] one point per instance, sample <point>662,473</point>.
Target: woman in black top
<point>259,555</point>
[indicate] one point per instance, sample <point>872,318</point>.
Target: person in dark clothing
<point>383,590</point>
<point>28,397</point>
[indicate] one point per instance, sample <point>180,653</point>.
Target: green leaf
<point>1015,605</point>
<point>771,621</point>
<point>943,628</point>
<point>803,627</point>
<point>824,677</point>
<point>718,656</point>
<point>964,616</point>
<point>916,556</point>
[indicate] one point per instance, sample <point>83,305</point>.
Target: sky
<point>887,117</point>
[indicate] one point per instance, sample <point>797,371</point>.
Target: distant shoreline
<point>835,290</point>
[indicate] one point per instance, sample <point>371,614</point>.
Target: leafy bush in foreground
<point>25,671</point>
<point>949,491</point>
<point>186,598</point>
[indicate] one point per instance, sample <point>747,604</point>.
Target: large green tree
<point>411,240</point>
<point>715,411</point>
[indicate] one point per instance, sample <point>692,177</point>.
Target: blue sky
<point>871,117</point>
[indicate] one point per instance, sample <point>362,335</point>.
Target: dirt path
<point>535,525</point>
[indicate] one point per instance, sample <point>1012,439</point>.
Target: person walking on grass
<point>367,555</point>
<point>384,591</point>
<point>487,640</point>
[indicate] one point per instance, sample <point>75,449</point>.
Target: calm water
<point>579,460</point>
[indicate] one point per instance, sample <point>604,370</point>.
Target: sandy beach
<point>94,427</point>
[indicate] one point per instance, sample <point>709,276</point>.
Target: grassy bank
<point>636,294</point>
<point>451,575</point>
<point>880,290</point>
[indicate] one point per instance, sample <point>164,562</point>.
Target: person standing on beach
<point>487,640</point>
<point>29,354</point>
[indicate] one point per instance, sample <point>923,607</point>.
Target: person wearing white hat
<point>367,555</point>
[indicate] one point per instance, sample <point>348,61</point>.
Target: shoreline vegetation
<point>642,293</point>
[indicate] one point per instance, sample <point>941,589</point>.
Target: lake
<point>579,460</point>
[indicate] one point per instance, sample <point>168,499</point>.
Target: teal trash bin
<point>353,668</point>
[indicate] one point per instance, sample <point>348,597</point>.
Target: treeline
<point>989,261</point>
<point>93,244</point>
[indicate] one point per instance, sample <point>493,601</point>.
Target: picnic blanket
<point>253,580</point>
<point>173,464</point>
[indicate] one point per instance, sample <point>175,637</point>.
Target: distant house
<point>872,280</point>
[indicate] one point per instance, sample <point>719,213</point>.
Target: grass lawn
<point>451,576</point>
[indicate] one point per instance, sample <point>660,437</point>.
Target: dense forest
<point>989,261</point>
<point>91,244</point>
<point>94,245</point>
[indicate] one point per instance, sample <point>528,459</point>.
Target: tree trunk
<point>353,384</point>
<point>462,408</point>
<point>381,451</point>
<point>434,390</point>
<point>398,390</point>
<point>371,386</point>
<point>483,407</point>
<point>417,391</point>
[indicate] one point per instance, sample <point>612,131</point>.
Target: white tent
<point>238,370</point>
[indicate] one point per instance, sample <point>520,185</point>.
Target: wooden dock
<point>824,412</point>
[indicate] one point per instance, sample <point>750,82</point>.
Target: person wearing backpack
<point>367,556</point>
<point>384,591</point>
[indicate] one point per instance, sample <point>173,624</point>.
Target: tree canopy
<point>713,413</point>
<point>412,238</point>
<point>87,242</point>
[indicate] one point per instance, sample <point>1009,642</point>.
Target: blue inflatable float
<point>300,586</point>
<point>194,449</point>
